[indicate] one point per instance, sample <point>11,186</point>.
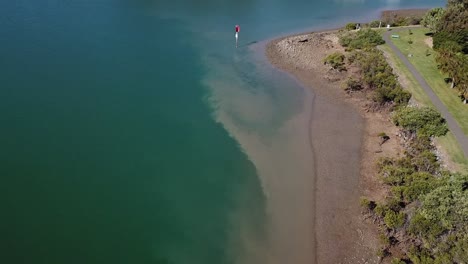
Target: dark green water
<point>120,124</point>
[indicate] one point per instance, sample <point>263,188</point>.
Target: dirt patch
<point>428,42</point>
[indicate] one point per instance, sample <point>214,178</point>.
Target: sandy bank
<point>345,144</point>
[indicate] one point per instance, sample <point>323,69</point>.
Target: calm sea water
<point>134,131</point>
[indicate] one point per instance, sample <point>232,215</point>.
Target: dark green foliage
<point>394,219</point>
<point>444,210</point>
<point>336,61</point>
<point>353,84</point>
<point>378,75</point>
<point>417,184</point>
<point>400,22</point>
<point>426,161</point>
<point>448,203</point>
<point>361,39</point>
<point>427,207</point>
<point>382,134</point>
<point>374,24</point>
<point>397,261</point>
<point>394,175</point>
<point>367,205</point>
<point>414,20</point>
<point>432,18</point>
<point>453,25</point>
<point>424,121</point>
<point>397,95</point>
<point>418,256</point>
<point>423,227</point>
<point>441,37</point>
<point>452,62</point>
<point>350,26</point>
<point>451,38</point>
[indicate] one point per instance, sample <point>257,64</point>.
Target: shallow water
<point>134,131</point>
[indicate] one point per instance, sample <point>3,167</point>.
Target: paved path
<point>452,124</point>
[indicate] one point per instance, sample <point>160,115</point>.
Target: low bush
<point>353,84</point>
<point>336,61</point>
<point>350,26</point>
<point>394,219</point>
<point>424,121</point>
<point>361,39</point>
<point>374,24</point>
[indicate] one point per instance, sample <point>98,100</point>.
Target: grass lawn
<point>413,86</point>
<point>450,145</point>
<point>426,65</point>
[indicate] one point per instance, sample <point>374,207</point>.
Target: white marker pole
<point>237,37</point>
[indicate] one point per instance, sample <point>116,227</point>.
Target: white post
<point>237,37</point>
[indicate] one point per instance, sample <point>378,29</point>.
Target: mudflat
<point>345,143</point>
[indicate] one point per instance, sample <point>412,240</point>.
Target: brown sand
<point>346,147</point>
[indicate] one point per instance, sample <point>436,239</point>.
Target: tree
<point>454,25</point>
<point>462,76</point>
<point>448,60</point>
<point>432,18</point>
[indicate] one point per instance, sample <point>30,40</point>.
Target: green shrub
<point>374,24</point>
<point>380,210</point>
<point>420,256</point>
<point>394,175</point>
<point>378,75</point>
<point>384,240</point>
<point>401,22</point>
<point>394,219</point>
<point>426,161</point>
<point>367,205</point>
<point>382,134</point>
<point>424,121</point>
<point>350,26</point>
<point>417,184</point>
<point>361,39</point>
<point>421,226</point>
<point>353,84</point>
<point>336,61</point>
<point>397,261</point>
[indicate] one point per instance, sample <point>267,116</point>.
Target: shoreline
<point>345,150</point>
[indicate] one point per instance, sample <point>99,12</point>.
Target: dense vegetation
<point>424,218</point>
<point>424,121</point>
<point>336,61</point>
<point>450,28</point>
<point>374,71</point>
<point>432,18</point>
<point>361,39</point>
<point>426,212</point>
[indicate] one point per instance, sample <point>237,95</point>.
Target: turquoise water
<point>134,131</point>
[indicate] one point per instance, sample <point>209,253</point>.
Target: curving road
<point>452,124</point>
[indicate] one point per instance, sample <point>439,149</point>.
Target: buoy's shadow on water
<point>247,44</point>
